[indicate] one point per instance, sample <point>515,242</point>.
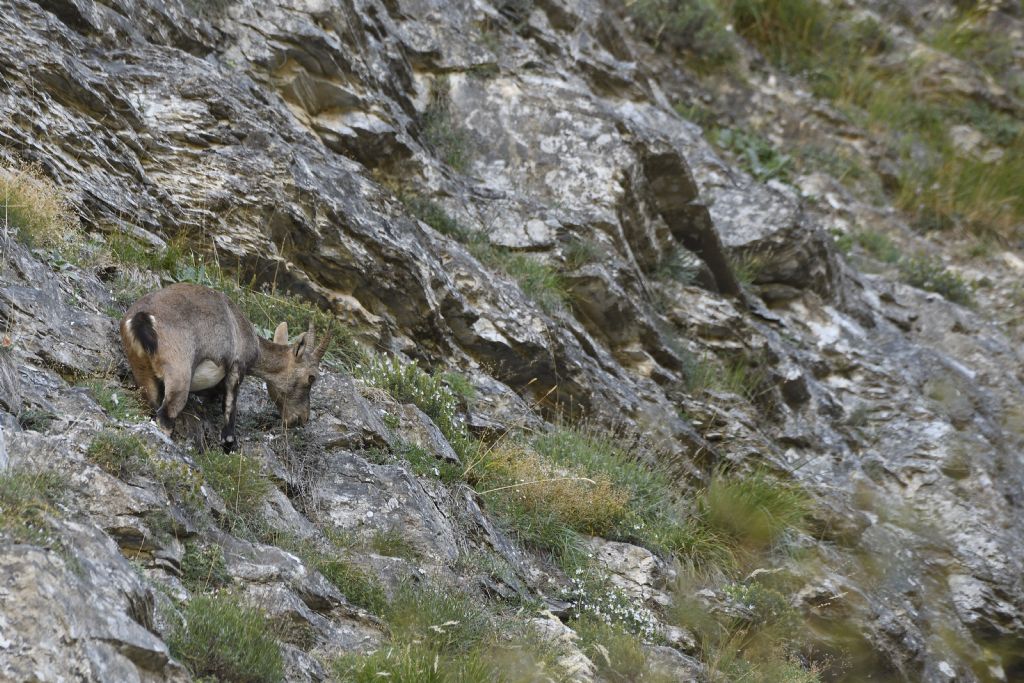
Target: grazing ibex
<point>189,338</point>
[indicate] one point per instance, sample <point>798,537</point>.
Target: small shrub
<point>36,208</point>
<point>220,637</point>
<point>26,499</point>
<point>203,567</point>
<point>408,383</point>
<point>693,28</point>
<point>928,273</point>
<point>119,453</point>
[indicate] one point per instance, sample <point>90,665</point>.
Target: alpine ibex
<point>189,338</point>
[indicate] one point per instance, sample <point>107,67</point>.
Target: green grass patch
<point>27,497</point>
<point>678,265</point>
<point>220,637</point>
<point>446,620</point>
<point>878,245</point>
<point>434,215</point>
<point>580,251</point>
<point>118,402</point>
<point>129,251</point>
<point>359,587</point>
<point>119,453</point>
<point>788,32</point>
<point>756,154</point>
<point>752,510</point>
<point>539,280</point>
<point>618,654</point>
<point>928,273</point>
<point>966,38</point>
<point>425,464</point>
<point>36,208</point>
<point>392,543</point>
<point>239,481</point>
<point>415,663</point>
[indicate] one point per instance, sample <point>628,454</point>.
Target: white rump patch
<point>206,375</point>
<point>132,338</point>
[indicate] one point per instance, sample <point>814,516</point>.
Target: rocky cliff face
<point>503,190</point>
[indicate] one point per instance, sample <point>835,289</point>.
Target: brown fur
<point>197,328</point>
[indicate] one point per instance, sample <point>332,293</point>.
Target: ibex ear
<point>305,343</point>
<point>281,334</point>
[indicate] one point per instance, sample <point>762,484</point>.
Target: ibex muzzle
<point>189,338</point>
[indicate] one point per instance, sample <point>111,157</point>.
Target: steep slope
<point>503,191</point>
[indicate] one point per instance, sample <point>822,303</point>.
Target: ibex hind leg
<point>232,380</point>
<point>175,396</point>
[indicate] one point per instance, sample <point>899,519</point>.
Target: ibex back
<point>189,338</point>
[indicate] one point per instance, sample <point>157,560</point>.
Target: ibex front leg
<point>232,380</point>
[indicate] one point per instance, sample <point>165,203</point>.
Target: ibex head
<point>293,374</point>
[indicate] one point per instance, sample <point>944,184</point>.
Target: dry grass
<point>536,487</point>
<point>36,208</point>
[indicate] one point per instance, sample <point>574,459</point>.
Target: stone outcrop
<point>286,140</point>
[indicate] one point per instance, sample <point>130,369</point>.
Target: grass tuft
<point>27,497</point>
<point>930,274</point>
<point>36,208</point>
<point>754,510</point>
<point>239,481</point>
<point>119,454</point>
<point>119,403</point>
<point>449,141</point>
<point>220,637</point>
